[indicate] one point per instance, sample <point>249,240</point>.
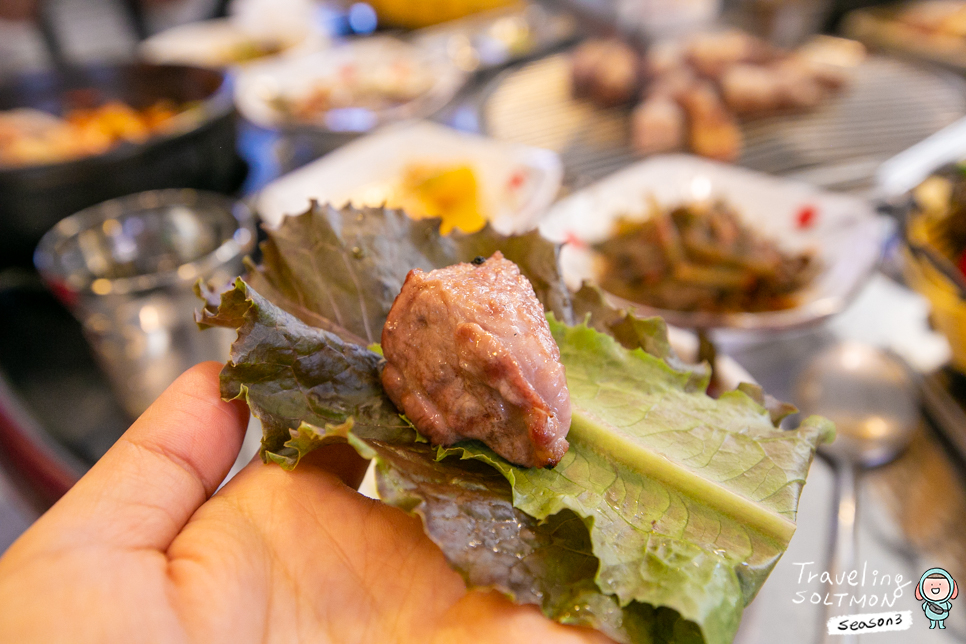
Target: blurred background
<point>144,142</point>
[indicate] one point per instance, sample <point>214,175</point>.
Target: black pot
<point>33,199</point>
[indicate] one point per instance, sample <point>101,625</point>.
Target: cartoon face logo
<point>936,590</point>
<point>936,587</point>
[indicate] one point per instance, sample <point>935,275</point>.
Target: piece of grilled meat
<point>469,355</point>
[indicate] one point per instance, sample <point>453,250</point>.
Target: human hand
<point>139,550</point>
<point>17,10</point>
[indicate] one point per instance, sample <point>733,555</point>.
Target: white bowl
<point>846,234</point>
<point>517,183</point>
<point>213,43</point>
<point>261,86</point>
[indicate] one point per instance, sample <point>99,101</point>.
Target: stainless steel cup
<point>126,268</point>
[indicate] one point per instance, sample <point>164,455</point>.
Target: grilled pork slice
<point>469,355</point>
<point>607,72</point>
<point>658,124</point>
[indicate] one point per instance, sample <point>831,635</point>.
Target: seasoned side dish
<point>427,189</point>
<point>368,84</point>
<point>469,355</point>
<point>940,203</point>
<point>30,137</point>
<point>700,257</point>
<point>935,253</point>
<point>449,192</point>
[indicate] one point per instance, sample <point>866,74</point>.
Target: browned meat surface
<point>606,71</point>
<point>714,130</point>
<point>691,92</point>
<point>711,54</point>
<point>469,355</point>
<point>658,125</point>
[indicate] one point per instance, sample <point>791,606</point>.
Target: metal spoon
<point>872,398</point>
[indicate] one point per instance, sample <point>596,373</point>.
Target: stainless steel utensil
<point>125,268</point>
<point>872,398</point>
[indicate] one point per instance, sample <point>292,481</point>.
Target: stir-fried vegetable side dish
<point>660,522</point>
<point>700,257</point>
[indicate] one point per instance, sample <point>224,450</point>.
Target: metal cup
<point>126,267</point>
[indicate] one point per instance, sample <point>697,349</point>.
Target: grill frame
<point>927,98</point>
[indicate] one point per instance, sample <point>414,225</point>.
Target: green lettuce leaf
<point>285,370</point>
<point>690,501</point>
<point>341,269</point>
<point>468,512</point>
<point>663,519</point>
<point>295,377</point>
<point>648,334</point>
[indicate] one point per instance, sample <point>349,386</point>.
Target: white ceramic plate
<point>494,38</point>
<point>846,233</point>
<point>261,86</point>
<point>215,43</point>
<point>517,183</point>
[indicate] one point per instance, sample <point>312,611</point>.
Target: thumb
<point>144,489</point>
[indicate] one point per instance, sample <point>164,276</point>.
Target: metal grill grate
<point>889,106</point>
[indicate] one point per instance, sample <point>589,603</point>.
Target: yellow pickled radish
<point>450,193</point>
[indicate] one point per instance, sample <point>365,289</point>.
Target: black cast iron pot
<point>202,156</point>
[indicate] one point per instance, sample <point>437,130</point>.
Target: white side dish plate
<point>516,183</point>
<point>845,233</point>
<point>218,43</point>
<point>263,88</point>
